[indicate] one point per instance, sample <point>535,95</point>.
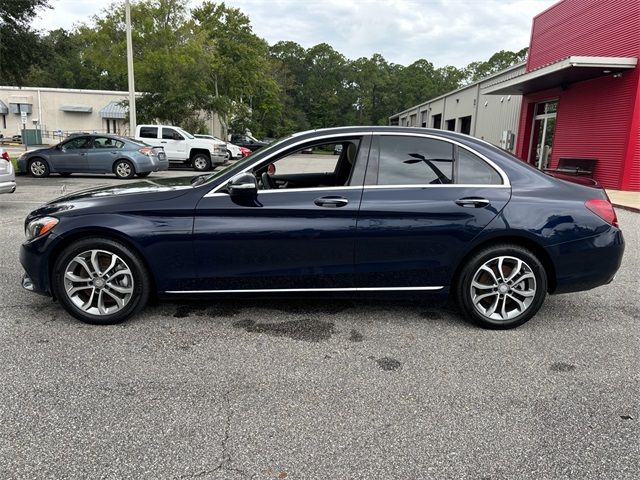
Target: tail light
<point>603,209</point>
<point>148,151</point>
<point>5,155</point>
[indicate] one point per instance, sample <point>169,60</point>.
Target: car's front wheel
<point>124,169</point>
<point>502,286</point>
<point>100,281</point>
<point>201,162</point>
<point>38,168</point>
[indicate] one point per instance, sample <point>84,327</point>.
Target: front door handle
<point>331,202</point>
<point>473,202</point>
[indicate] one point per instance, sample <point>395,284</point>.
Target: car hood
<point>151,190</point>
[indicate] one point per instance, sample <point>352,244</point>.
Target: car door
<point>283,238</point>
<point>71,156</point>
<point>104,153</point>
<point>175,145</point>
<point>425,199</point>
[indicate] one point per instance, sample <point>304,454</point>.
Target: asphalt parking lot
<point>315,389</point>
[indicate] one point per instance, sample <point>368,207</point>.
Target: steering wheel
<point>267,181</point>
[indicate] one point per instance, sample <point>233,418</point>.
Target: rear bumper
<point>587,263</point>
<point>8,187</point>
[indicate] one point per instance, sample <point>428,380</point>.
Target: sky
<point>445,32</point>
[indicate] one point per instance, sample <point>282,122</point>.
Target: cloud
<point>445,32</point>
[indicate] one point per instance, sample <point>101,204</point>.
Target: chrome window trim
<point>310,189</point>
<point>290,290</point>
<point>438,185</point>
<point>505,179</point>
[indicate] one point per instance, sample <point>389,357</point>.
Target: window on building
<point>471,169</point>
<point>423,118</point>
<point>465,125</point>
<point>437,121</point>
<point>414,161</point>
<point>412,120</point>
<point>149,132</point>
<point>451,125</point>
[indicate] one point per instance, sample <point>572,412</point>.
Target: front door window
<point>544,127</point>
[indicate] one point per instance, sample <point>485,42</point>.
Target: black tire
<point>509,296</point>
<point>141,280</point>
<point>143,174</point>
<point>201,162</point>
<point>38,168</point>
<point>229,156</point>
<point>65,174</point>
<point>124,169</point>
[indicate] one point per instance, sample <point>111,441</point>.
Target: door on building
<point>544,127</point>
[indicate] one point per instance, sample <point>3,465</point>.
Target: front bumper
<point>34,257</point>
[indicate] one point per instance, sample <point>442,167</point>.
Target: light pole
<point>132,88</point>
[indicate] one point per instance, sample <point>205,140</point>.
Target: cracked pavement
<point>306,389</point>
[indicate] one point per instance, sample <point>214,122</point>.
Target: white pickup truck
<point>182,147</point>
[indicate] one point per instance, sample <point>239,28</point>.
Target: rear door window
<point>472,170</point>
<point>149,132</point>
<point>414,161</point>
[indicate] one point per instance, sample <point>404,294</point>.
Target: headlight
<point>40,226</point>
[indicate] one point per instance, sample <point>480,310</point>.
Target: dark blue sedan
<point>121,156</point>
<point>398,210</point>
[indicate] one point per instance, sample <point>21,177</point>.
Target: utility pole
<point>132,88</point>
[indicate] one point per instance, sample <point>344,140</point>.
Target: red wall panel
<point>585,27</point>
<point>593,121</point>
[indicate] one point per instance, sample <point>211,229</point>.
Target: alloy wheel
<point>98,282</point>
<point>38,168</point>
<point>200,163</point>
<point>123,169</point>
<point>503,288</point>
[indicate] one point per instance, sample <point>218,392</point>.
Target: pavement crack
<point>227,460</point>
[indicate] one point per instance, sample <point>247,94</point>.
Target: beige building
<point>468,110</point>
<point>58,112</point>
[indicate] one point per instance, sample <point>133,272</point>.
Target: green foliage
<point>19,45</point>
<point>194,63</point>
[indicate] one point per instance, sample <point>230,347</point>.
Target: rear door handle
<point>331,202</point>
<point>473,202</point>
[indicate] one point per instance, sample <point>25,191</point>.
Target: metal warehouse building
<point>576,100</point>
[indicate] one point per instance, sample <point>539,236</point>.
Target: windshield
<point>185,133</point>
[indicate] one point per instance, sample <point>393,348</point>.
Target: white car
<point>182,147</point>
<point>7,175</point>
<point>233,151</point>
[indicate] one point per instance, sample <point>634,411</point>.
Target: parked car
<point>247,141</point>
<point>410,210</point>
<point>16,138</point>
<point>94,154</point>
<point>182,147</point>
<point>232,151</point>
<point>7,175</point>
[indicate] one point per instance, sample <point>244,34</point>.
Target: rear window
<point>149,132</point>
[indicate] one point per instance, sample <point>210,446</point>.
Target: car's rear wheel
<point>39,168</point>
<point>229,156</point>
<point>124,169</point>
<point>100,281</point>
<point>201,162</point>
<point>502,286</point>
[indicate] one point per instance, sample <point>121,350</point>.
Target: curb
<point>626,207</point>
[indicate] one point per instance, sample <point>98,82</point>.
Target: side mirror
<point>244,184</point>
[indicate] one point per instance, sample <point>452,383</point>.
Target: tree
<point>498,61</point>
<point>18,43</point>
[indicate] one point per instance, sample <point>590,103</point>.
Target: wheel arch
<point>197,151</point>
<point>107,234</point>
<point>520,240</point>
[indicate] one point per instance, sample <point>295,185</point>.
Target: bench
<point>575,166</point>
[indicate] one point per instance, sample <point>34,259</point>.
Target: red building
<point>581,90</point>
